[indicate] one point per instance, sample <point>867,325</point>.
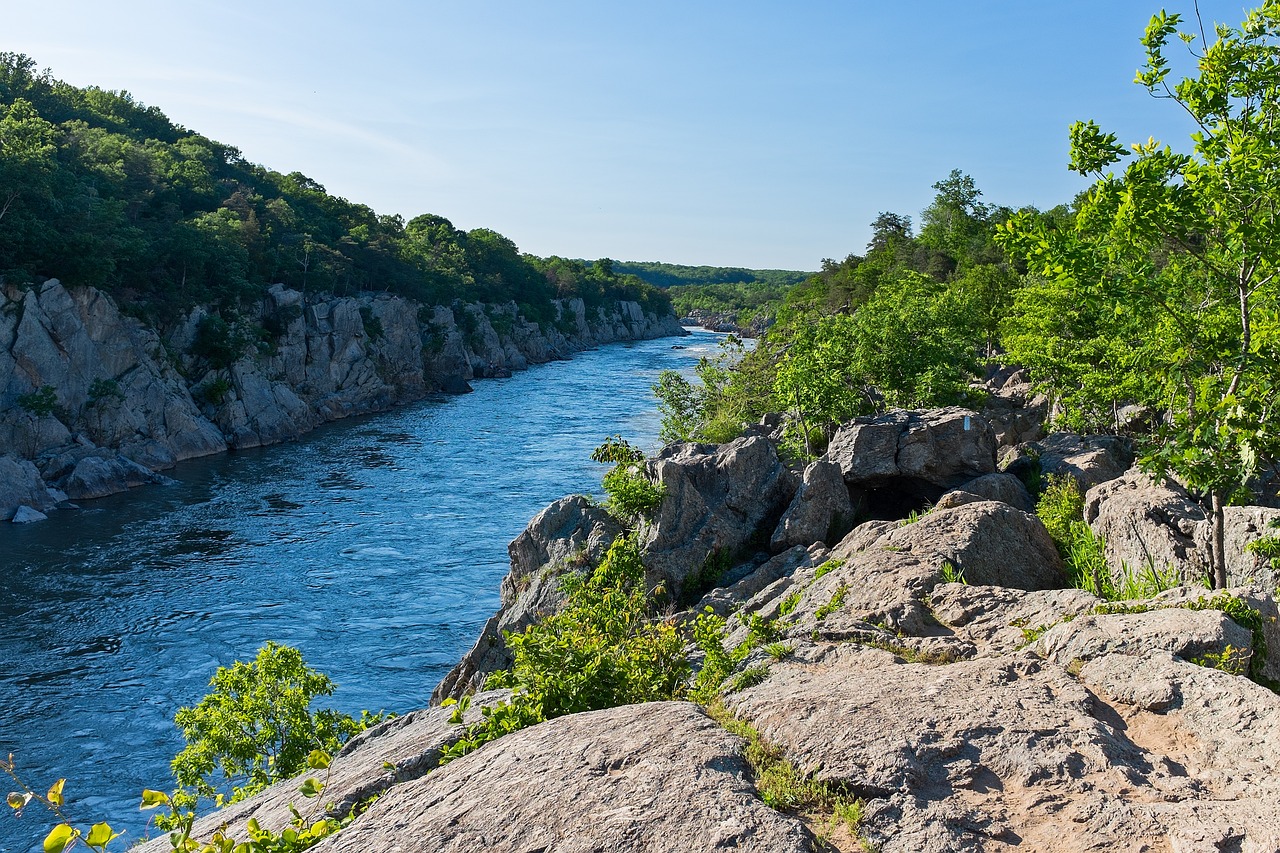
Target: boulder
<point>103,472</point>
<point>820,508</point>
<point>1090,459</point>
<point>720,501</point>
<point>1148,525</point>
<point>886,580</point>
<point>912,457</point>
<point>21,485</point>
<point>1004,488</point>
<point>1188,634</point>
<point>642,779</point>
<point>1015,752</point>
<point>27,515</point>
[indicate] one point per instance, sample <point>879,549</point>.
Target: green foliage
<point>215,391</point>
<point>41,402</point>
<point>718,663</point>
<point>101,190</point>
<point>1245,616</point>
<point>218,342</point>
<point>706,577</point>
<point>788,605</point>
<point>780,783</point>
<point>1162,290</point>
<point>836,602</point>
<point>101,390</point>
<point>372,325</point>
<point>603,649</point>
<point>632,495</point>
<point>749,677</point>
<point>826,568</point>
<point>950,574</point>
<point>256,726</point>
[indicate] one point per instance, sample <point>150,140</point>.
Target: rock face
<point>655,777</point>
<point>821,506</point>
<point>569,535</point>
<point>79,381</point>
<point>1149,525</point>
<point>718,501</point>
<point>905,460</point>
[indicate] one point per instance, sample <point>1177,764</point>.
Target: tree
<point>1174,261</point>
<point>256,726</point>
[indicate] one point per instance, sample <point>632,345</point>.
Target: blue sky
<point>757,134</point>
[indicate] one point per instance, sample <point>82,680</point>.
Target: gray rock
<point>821,507</point>
<point>391,753</point>
<point>1004,488</point>
<point>887,580</point>
<point>719,500</point>
<point>569,535</point>
<point>1090,459</point>
<point>1188,634</point>
<point>1148,525</point>
<point>643,778</point>
<point>26,515</point>
<point>1000,620</point>
<point>103,472</point>
<point>20,485</point>
<point>1012,751</point>
<point>912,457</point>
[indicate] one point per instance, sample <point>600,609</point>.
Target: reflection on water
<point>374,545</point>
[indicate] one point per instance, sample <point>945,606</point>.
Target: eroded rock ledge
<point>93,402</point>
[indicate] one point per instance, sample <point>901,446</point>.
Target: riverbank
<point>375,544</point>
<point>93,402</point>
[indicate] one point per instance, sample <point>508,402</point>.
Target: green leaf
<point>311,788</point>
<point>17,799</point>
<point>55,793</point>
<point>59,838</point>
<point>151,799</point>
<point>318,759</point>
<point>100,835</point>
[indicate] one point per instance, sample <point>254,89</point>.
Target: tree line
<point>99,189</point>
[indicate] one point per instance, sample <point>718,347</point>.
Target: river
<point>374,544</point>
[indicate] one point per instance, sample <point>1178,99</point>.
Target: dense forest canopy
<point>98,189</point>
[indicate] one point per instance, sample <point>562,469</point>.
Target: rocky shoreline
<point>929,661</point>
<point>93,402</point>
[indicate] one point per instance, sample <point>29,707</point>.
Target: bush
<point>256,726</point>
<point>632,495</point>
<point>602,650</point>
<point>41,402</point>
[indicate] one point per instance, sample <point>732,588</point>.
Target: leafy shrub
<point>836,602</point>
<point>632,495</point>
<point>101,390</point>
<point>214,391</point>
<point>372,325</point>
<point>217,342</point>
<point>602,650</point>
<point>41,402</point>
<point>256,726</point>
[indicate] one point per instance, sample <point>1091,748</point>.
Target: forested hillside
<point>98,189</point>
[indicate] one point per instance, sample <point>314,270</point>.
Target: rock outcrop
<point>932,666</point>
<point>655,777</point>
<point>98,401</point>
<point>720,501</point>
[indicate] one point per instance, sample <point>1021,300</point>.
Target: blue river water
<point>374,544</point>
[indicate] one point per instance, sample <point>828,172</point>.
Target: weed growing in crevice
<point>824,806</point>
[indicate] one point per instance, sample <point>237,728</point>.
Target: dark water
<point>375,545</point>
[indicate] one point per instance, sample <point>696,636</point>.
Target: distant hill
<point>673,275</point>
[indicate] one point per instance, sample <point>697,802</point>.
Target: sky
<point>750,134</point>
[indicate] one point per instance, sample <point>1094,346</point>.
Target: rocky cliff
<point>93,401</point>
<point>929,664</point>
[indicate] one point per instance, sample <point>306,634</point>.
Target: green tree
<point>1174,262</point>
<point>256,726</point>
